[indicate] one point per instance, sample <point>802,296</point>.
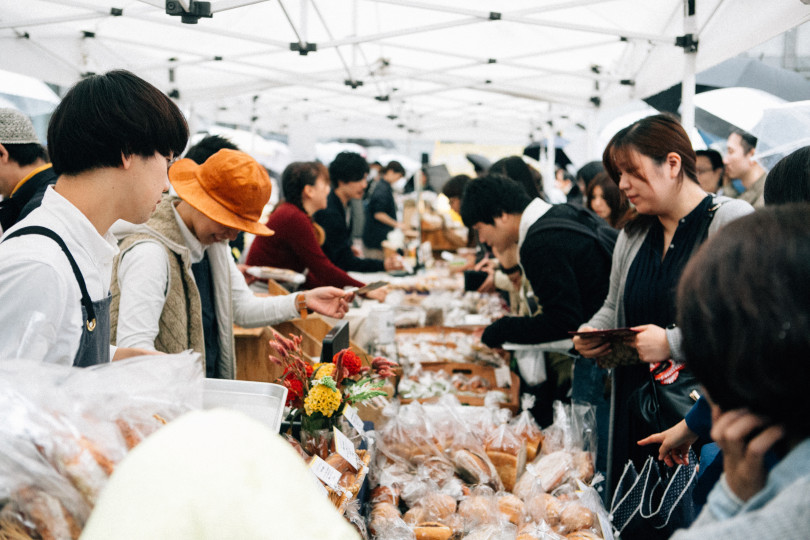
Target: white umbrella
<point>781,130</point>
<point>720,111</point>
<point>27,94</point>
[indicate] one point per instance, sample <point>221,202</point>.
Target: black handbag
<point>659,405</point>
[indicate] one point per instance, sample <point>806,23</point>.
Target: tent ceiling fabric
<point>444,69</point>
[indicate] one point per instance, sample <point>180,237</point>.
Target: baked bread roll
<point>417,514</point>
<point>583,466</point>
<point>439,504</point>
<point>575,517</point>
<point>553,469</point>
<point>583,535</point>
<point>508,466</point>
<point>384,494</point>
<point>432,531</point>
<point>478,510</point>
<point>512,507</point>
<point>381,514</point>
<point>545,507</point>
<point>474,468</point>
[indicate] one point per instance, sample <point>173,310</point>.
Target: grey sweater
<point>611,314</point>
<point>781,510</point>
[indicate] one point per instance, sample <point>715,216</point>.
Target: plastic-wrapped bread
<point>512,507</point>
<point>432,531</point>
<point>553,469</point>
<point>545,507</point>
<point>575,517</point>
<point>476,468</point>
<point>526,427</point>
<point>507,453</point>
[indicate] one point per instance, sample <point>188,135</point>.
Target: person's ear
<point>674,163</point>
<point>4,155</point>
<point>126,160</point>
<point>307,191</point>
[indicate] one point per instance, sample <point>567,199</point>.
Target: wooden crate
<point>487,373</point>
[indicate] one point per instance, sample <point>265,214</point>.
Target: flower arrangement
<point>318,393</point>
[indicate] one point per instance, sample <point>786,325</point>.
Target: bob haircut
<point>789,180</point>
<point>347,167</point>
<point>492,196</point>
<point>744,309</point>
<point>613,196</point>
<point>105,116</point>
<point>297,176</point>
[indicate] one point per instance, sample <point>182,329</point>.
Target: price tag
<point>354,419</point>
<point>345,448</point>
<point>328,474</point>
<point>503,377</point>
<point>320,487</point>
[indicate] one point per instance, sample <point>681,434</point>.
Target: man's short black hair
<point>789,180</point>
<point>207,147</point>
<point>396,167</point>
<point>26,154</point>
<point>105,116</point>
<point>587,172</point>
<point>748,142</point>
<point>515,168</point>
<point>713,156</point>
<point>455,186</point>
<point>347,167</point>
<point>492,196</point>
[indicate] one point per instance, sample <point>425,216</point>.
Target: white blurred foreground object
<point>782,130</point>
<point>214,475</point>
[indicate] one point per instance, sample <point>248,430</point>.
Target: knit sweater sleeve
<point>321,270</point>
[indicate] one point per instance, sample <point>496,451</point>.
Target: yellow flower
<point>322,399</point>
<point>323,370</point>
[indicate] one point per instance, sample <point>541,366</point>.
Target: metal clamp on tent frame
<point>196,10</point>
<point>687,42</point>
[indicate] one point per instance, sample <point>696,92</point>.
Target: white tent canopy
<point>468,70</point>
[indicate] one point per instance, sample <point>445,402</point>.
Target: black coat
<point>569,273</point>
<point>338,243</point>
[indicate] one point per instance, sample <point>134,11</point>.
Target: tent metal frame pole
<point>689,68</point>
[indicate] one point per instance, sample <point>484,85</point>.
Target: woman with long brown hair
<point>653,163</point>
<point>608,201</point>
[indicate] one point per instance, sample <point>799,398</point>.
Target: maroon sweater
<point>295,247</point>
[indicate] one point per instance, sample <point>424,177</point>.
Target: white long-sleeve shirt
<point>40,300</point>
<point>143,276</point>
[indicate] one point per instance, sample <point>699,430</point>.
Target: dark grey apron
<point>94,346</point>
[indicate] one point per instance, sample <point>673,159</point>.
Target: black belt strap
<point>86,301</point>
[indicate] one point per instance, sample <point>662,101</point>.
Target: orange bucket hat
<point>230,187</point>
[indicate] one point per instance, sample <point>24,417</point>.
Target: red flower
<point>351,362</point>
<point>309,369</point>
<point>295,389</point>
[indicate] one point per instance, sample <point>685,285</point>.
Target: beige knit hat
<point>16,128</point>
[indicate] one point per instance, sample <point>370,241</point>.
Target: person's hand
<point>744,439</point>
<point>377,294</point>
<point>675,443</point>
<point>516,278</point>
<point>591,347</point>
<point>393,262</point>
<point>248,277</point>
<point>488,286</point>
<point>122,353</point>
<point>357,251</point>
<point>485,265</point>
<point>329,301</point>
<point>651,343</point>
